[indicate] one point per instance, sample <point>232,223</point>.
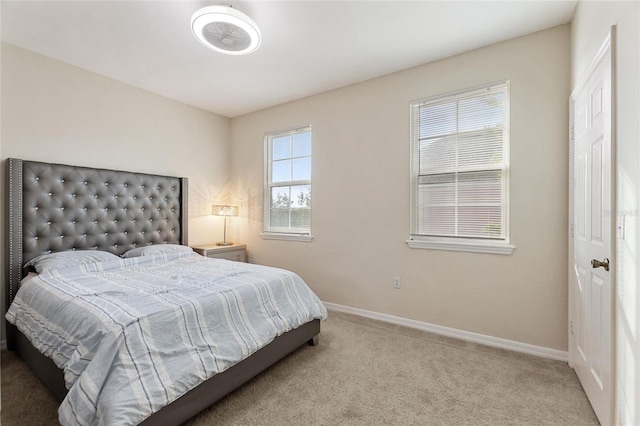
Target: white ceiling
<point>308,47</point>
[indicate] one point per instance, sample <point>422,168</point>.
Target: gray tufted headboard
<point>54,207</point>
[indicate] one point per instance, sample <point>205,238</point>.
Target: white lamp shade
<point>224,210</point>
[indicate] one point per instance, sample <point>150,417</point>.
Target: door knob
<point>596,264</point>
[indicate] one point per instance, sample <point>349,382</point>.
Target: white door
<point>591,313</point>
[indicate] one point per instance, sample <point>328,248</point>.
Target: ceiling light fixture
<point>225,30</point>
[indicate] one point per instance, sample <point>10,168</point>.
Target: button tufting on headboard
<point>97,207</point>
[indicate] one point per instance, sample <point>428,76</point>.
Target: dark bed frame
<point>54,207</point>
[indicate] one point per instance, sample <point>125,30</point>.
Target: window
<point>459,183</point>
<point>287,213</point>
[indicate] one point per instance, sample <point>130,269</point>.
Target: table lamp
<point>225,211</point>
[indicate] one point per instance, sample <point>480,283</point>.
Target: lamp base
<point>224,244</point>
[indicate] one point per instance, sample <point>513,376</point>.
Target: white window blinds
<point>460,165</point>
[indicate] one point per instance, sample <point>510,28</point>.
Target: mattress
<point>132,335</point>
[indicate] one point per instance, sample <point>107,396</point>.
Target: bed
<point>56,208</point>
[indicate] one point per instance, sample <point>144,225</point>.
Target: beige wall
<point>591,24</point>
<point>360,217</point>
<point>55,112</point>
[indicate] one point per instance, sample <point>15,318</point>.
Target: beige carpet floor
<point>365,372</point>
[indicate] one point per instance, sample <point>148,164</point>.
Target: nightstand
<point>237,252</point>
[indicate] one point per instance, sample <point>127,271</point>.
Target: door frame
<point>608,46</point>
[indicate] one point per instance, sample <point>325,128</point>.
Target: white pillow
<point>157,249</point>
<point>64,259</point>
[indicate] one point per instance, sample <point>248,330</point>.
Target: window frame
<point>277,233</point>
<point>457,243</point>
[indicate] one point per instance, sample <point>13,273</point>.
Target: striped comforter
<point>133,335</point>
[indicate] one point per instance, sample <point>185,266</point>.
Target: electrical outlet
<point>396,282</point>
<point>620,228</point>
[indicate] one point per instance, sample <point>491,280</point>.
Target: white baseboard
<point>482,339</point>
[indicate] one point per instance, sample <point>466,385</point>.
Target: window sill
<point>468,246</point>
<point>286,237</point>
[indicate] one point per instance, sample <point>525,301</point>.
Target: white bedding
<point>135,334</point>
